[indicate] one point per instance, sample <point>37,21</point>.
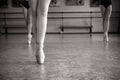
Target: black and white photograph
<point>3,3</point>
<point>59,40</point>
<point>94,3</point>
<point>16,3</point>
<point>55,3</point>
<point>75,2</point>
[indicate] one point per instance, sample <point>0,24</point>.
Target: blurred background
<point>62,13</point>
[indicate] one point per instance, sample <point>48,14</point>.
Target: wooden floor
<point>68,57</point>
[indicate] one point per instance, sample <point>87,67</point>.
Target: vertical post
<point>62,29</point>
<point>91,23</point>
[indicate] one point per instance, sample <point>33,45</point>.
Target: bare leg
<point>42,11</point>
<point>39,13</point>
<point>32,10</point>
<point>106,13</point>
<point>29,24</point>
<point>28,20</point>
<point>107,22</point>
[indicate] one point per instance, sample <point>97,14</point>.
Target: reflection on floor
<point>68,57</point>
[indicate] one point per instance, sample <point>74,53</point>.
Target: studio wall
<point>54,24</point>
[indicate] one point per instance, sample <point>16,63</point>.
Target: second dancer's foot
<point>29,38</point>
<point>106,39</point>
<point>40,56</point>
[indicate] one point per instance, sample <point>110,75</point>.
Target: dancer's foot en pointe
<point>29,39</point>
<point>40,56</point>
<point>106,39</point>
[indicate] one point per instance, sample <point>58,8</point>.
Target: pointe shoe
<point>106,39</point>
<point>29,38</point>
<point>40,56</point>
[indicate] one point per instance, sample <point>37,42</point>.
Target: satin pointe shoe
<point>29,39</point>
<point>40,56</point>
<point>106,39</point>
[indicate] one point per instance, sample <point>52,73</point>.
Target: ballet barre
<point>5,18</point>
<point>63,27</point>
<point>62,17</point>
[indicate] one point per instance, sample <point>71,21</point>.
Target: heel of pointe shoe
<point>29,38</point>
